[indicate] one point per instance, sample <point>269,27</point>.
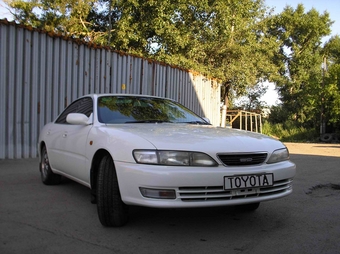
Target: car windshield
<point>130,109</point>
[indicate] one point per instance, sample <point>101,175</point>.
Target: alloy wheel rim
<point>45,165</point>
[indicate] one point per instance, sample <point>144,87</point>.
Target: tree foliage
<point>300,59</point>
<point>331,83</point>
<point>62,16</point>
<point>252,100</point>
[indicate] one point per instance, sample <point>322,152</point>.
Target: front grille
<point>217,193</point>
<point>242,159</point>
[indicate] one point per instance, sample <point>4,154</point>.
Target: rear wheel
<point>47,176</point>
<point>112,212</point>
<point>248,207</point>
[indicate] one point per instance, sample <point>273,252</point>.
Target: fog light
<point>159,194</point>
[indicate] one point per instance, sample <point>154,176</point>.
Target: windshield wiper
<point>197,122</point>
<point>148,121</point>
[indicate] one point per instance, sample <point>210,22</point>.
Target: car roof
<point>96,95</point>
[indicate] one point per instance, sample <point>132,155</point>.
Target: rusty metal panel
<point>4,71</point>
<point>144,77</point>
<point>40,74</point>
<point>33,99</point>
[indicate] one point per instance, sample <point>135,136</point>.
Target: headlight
<point>279,155</point>
<point>173,158</point>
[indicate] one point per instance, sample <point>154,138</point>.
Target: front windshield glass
<point>130,109</point>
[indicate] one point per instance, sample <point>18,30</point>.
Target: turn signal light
<point>157,193</point>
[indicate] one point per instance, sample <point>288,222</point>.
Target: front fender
<point>117,142</point>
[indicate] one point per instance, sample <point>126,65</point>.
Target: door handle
<point>64,135</point>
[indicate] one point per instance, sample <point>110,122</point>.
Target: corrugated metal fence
<point>41,73</point>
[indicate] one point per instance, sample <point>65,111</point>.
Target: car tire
<point>47,176</point>
<point>326,137</point>
<point>112,211</point>
<point>249,207</point>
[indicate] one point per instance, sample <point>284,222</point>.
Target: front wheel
<point>112,212</point>
<point>47,176</point>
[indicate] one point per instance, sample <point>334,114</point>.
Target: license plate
<point>248,181</point>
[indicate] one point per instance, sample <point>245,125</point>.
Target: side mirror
<point>77,118</point>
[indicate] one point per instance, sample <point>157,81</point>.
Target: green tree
<point>331,82</point>
<point>299,60</point>
<point>68,17</point>
<point>252,100</point>
<point>236,46</point>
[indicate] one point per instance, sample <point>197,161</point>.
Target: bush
<point>289,132</point>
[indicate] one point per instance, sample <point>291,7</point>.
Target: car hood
<point>205,138</point>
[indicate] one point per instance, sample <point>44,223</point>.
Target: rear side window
<point>83,105</point>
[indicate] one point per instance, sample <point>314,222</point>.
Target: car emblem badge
<point>246,159</point>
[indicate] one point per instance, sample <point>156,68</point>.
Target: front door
<point>70,144</point>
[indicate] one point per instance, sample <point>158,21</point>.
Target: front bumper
<point>200,186</point>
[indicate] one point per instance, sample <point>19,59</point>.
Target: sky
<point>331,6</point>
<point>4,13</point>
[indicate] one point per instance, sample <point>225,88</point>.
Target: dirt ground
<point>314,149</point>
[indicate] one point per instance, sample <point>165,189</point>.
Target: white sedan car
<point>154,152</point>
